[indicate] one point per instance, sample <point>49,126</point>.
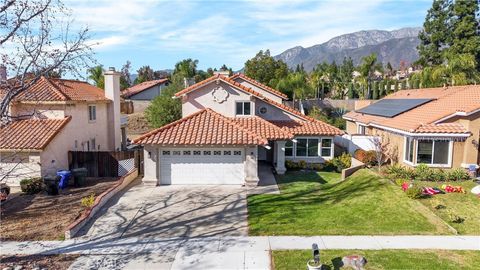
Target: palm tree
<point>96,75</point>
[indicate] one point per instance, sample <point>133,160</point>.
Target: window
<point>432,152</point>
<point>187,153</point>
<point>361,129</point>
<point>217,153</point>
<point>307,147</point>
<point>237,153</point>
<point>289,149</point>
<point>166,153</point>
<point>326,150</point>
<point>409,143</point>
<point>207,153</point>
<point>176,153</point>
<point>243,108</point>
<point>227,153</point>
<point>92,112</point>
<point>197,153</point>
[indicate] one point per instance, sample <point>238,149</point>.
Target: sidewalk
<point>218,253</point>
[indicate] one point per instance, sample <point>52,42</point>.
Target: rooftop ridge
<point>259,84</point>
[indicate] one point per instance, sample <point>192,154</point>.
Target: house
<point>143,93</point>
<point>229,125</point>
<point>54,116</point>
<point>436,126</point>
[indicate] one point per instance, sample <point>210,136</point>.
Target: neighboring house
<point>55,116</point>
<point>439,127</point>
<point>143,93</point>
<point>229,124</point>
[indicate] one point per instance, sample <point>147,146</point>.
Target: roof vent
<point>111,69</point>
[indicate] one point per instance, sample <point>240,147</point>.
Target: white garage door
<point>202,166</point>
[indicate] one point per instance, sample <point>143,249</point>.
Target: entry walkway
<point>218,252</point>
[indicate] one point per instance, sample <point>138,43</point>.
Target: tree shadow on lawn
<point>332,193</point>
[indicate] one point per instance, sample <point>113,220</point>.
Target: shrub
<point>293,165</point>
<point>414,192</point>
<point>316,166</point>
<point>423,173</point>
<point>399,171</point>
<point>329,166</point>
<point>342,162</point>
<point>302,164</point>
<point>88,201</point>
<point>31,185</point>
<point>400,181</point>
<point>439,175</point>
<point>367,157</point>
<point>457,174</point>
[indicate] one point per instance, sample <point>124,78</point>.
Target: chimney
<point>224,73</point>
<point>3,73</point>
<point>112,92</point>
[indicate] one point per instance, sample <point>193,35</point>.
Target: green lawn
<point>466,206</point>
<point>383,259</point>
<point>320,204</point>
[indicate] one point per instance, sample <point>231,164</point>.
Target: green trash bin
<point>79,176</point>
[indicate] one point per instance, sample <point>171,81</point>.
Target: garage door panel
<point>224,168</point>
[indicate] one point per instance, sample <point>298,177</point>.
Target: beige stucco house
<point>229,125</point>
<point>439,127</point>
<point>55,116</point>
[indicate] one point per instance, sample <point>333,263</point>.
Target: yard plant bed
<point>451,205</point>
<point>51,262</point>
<point>382,259</point>
<point>320,203</point>
<point>43,217</point>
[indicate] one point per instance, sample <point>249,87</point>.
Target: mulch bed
<point>50,262</point>
<point>43,217</point>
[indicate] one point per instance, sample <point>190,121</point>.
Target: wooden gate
<point>101,163</point>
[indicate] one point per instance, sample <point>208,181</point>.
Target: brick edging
<point>100,200</point>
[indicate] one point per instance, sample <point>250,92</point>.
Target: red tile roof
<point>259,85</point>
<point>141,87</point>
<point>313,128</point>
<point>447,101</point>
<point>263,128</point>
<point>31,134</point>
<point>49,89</point>
<point>204,127</point>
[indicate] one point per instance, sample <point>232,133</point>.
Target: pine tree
<point>351,91</point>
<point>436,33</point>
<point>381,92</point>
<point>465,29</point>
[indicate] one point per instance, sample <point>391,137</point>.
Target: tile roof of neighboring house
<point>244,88</point>
<point>141,87</point>
<point>30,134</point>
<point>314,127</point>
<point>263,128</point>
<point>49,89</point>
<point>259,85</point>
<point>204,127</point>
<point>447,102</point>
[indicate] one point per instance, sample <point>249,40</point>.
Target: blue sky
<point>160,33</point>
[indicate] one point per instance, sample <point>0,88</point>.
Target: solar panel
<point>392,107</point>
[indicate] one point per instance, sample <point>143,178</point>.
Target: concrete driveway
<point>171,212</point>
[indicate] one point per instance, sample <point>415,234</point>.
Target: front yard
<point>383,259</point>
<point>314,203</point>
<point>451,206</point>
<point>42,217</point>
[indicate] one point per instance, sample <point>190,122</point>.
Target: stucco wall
<point>148,94</point>
<point>259,90</point>
<point>273,113</point>
<point>17,166</point>
<point>351,127</point>
<point>41,110</point>
<point>202,98</point>
<point>467,152</point>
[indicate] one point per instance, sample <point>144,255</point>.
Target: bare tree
<point>381,146</point>
<point>37,39</point>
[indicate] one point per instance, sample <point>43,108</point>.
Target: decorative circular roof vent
<point>263,110</point>
<point>219,94</point>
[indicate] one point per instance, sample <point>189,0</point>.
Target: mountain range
<point>389,46</point>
